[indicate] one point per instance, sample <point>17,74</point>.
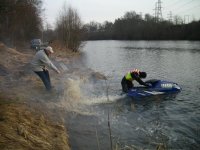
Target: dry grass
<point>61,51</point>
<point>23,126</point>
<point>10,58</point>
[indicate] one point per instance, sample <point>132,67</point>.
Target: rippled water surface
<point>170,122</point>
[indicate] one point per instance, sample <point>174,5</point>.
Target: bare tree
<point>68,28</point>
<point>178,20</point>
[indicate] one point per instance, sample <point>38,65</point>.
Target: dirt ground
<point>25,122</point>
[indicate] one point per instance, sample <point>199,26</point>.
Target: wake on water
<point>79,92</point>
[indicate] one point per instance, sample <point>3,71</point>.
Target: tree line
<point>22,21</point>
<point>133,26</point>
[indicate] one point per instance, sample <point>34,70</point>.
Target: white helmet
<point>50,49</point>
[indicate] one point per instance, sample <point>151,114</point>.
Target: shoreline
<point>26,122</point>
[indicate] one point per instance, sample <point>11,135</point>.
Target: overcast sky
<point>109,10</point>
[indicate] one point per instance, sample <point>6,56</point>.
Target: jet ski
<point>157,87</point>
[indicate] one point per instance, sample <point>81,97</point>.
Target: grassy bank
<point>24,123</point>
<point>23,127</point>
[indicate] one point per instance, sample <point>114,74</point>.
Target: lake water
<point>168,122</point>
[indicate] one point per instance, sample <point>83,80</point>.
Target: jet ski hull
<point>158,87</point>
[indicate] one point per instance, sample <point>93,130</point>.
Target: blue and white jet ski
<point>158,87</point>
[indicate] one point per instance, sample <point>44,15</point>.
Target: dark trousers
<point>44,76</point>
<point>126,85</point>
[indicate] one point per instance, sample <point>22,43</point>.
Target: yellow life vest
<point>128,75</point>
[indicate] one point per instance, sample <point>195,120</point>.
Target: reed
<point>109,126</point>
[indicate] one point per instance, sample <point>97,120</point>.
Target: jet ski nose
<point>178,88</point>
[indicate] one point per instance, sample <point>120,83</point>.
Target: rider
<point>135,74</point>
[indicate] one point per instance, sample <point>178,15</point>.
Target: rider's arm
<point>137,78</point>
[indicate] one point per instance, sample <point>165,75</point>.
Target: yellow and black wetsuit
<point>129,78</point>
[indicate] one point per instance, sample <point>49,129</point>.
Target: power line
<point>176,3</point>
<point>170,16</point>
<point>158,11</point>
<point>189,9</point>
<point>186,17</point>
<point>182,6</point>
<point>173,3</point>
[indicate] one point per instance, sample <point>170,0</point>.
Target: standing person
<point>135,74</point>
<point>40,63</point>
